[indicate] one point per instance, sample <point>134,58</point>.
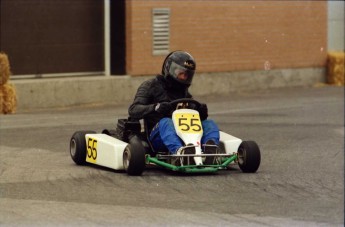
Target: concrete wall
<point>100,90</point>
<point>227,36</point>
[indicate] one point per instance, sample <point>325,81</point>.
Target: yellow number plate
<point>91,148</point>
<point>188,123</point>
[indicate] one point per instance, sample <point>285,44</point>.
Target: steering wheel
<point>186,103</point>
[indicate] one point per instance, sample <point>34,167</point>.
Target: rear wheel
<point>134,157</point>
<point>249,157</point>
<point>78,147</point>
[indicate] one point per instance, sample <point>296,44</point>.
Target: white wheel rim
<point>73,147</point>
<point>241,156</point>
<point>126,158</point>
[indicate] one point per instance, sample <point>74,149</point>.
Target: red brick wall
<point>231,35</point>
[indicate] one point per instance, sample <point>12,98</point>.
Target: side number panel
<point>91,147</point>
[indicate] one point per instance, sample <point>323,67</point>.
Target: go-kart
<point>128,147</point>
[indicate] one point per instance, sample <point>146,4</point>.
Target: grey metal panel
<point>161,31</point>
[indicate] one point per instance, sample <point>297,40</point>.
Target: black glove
<point>164,108</point>
<point>203,111</point>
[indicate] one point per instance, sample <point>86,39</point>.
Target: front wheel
<point>249,157</point>
<point>78,147</point>
<point>134,157</point>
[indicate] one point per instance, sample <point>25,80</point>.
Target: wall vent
<point>160,31</point>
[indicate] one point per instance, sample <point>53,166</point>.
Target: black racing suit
<point>152,92</point>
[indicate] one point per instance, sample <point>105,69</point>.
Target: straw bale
<point>4,68</point>
<point>335,68</point>
<point>8,99</point>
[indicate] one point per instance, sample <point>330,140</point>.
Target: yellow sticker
<point>91,148</point>
<point>188,122</point>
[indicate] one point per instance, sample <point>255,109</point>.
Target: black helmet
<point>179,62</point>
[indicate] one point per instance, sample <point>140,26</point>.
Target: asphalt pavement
<point>300,181</point>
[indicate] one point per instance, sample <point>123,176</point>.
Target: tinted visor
<point>181,74</point>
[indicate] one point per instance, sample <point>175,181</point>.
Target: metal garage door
<point>53,36</point>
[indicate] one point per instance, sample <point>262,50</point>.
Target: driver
<point>152,103</point>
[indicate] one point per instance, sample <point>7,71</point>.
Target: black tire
<point>249,157</point>
<point>134,157</point>
<point>78,147</point>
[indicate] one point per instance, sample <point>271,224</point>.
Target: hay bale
<point>335,68</point>
<point>2,99</point>
<point>8,99</point>
<point>4,68</point>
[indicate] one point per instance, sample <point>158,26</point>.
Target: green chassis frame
<point>192,168</point>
